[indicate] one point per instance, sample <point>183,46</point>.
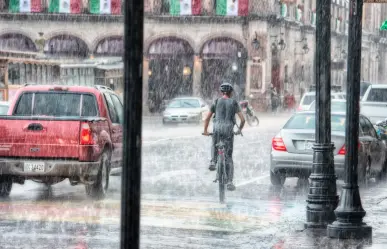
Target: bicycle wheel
<point>221,180</point>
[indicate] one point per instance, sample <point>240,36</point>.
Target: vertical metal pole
<point>322,198</point>
<point>131,170</point>
<point>350,212</point>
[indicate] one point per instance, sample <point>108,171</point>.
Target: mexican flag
<point>65,6</point>
<point>26,6</point>
<point>105,7</point>
<point>185,7</point>
<point>232,7</point>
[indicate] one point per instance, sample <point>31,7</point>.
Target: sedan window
<point>308,121</point>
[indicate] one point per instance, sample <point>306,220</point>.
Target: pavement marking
<point>251,180</point>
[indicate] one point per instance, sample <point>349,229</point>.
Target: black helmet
<point>226,87</point>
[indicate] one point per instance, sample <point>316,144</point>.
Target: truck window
<point>56,104</point>
<point>118,107</point>
<point>89,106</point>
<point>377,95</point>
<point>112,112</point>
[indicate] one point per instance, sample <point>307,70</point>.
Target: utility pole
<point>350,212</point>
<point>131,170</point>
<point>322,198</point>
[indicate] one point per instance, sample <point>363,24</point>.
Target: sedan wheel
<point>277,179</point>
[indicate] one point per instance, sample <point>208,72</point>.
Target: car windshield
<point>308,121</point>
<point>184,103</point>
<point>335,106</point>
<point>308,99</point>
<point>56,104</point>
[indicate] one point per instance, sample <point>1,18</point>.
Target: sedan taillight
<point>343,151</point>
<point>278,144</point>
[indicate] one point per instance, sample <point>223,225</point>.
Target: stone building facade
<point>192,55</point>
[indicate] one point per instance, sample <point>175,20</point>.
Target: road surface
<point>180,206</point>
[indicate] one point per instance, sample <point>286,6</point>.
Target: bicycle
<point>221,173</point>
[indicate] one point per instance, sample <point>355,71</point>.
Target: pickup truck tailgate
<point>39,138</point>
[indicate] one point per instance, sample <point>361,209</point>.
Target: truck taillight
<point>86,137</point>
<point>278,144</point>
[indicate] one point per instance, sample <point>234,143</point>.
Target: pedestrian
<point>273,98</point>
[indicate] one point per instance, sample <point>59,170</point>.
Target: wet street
<point>180,206</point>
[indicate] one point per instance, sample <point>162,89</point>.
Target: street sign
<point>375,1</point>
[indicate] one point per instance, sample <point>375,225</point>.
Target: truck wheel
<point>5,186</point>
<point>99,188</point>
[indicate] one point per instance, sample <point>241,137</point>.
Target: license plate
<point>309,145</point>
<point>34,167</point>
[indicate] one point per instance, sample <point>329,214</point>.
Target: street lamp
<point>234,67</point>
<point>322,198</point>
<point>350,212</point>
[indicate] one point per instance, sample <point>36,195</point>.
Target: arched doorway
<point>110,46</point>
<point>66,46</point>
<point>170,71</point>
<point>16,42</point>
<point>224,59</point>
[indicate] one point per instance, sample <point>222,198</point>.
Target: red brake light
<point>59,88</point>
<point>299,108</point>
<point>85,135</point>
<point>343,151</point>
<point>278,144</point>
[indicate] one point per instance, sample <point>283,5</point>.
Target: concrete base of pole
<point>322,198</point>
<point>339,230</point>
<point>349,213</point>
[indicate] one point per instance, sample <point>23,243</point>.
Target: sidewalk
<point>374,202</point>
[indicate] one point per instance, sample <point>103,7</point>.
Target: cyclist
<point>225,109</point>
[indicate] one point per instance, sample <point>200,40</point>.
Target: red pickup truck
<point>56,132</point>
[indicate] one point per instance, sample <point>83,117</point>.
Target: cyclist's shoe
<point>230,186</point>
<point>212,166</point>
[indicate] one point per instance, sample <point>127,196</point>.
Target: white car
<point>4,106</point>
<point>185,110</point>
<point>310,97</point>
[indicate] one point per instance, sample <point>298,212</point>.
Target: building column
<point>197,75</point>
<point>145,80</point>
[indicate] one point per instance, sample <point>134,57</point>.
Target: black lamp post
<point>322,198</point>
<point>131,170</point>
<point>350,212</point>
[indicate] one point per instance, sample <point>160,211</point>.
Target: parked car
<point>4,106</point>
<point>54,132</point>
<point>337,105</point>
<point>185,110</point>
<point>374,103</point>
<point>292,154</point>
<point>310,97</point>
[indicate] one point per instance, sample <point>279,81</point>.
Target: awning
<point>111,66</point>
